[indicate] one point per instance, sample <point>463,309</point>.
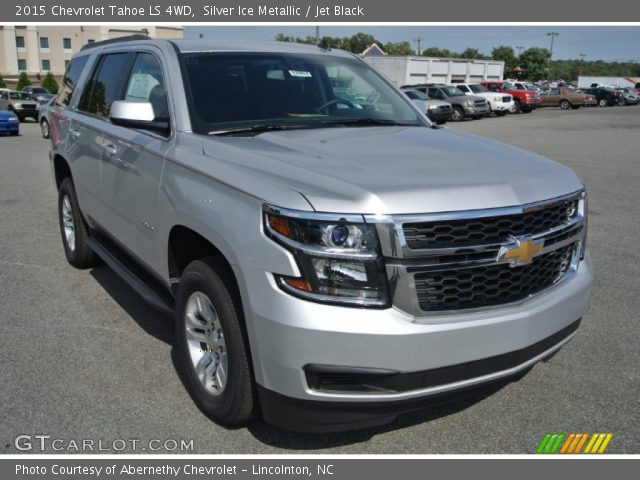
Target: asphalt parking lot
<point>83,357</point>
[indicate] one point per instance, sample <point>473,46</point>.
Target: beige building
<point>41,49</point>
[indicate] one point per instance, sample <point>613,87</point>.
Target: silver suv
<point>332,260</point>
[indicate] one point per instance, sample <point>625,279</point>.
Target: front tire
<point>458,114</point>
<point>516,107</point>
<point>565,105</point>
<point>603,103</point>
<point>211,343</point>
<point>44,127</point>
<point>73,228</point>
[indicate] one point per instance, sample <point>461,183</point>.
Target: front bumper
<point>288,335</point>
<point>9,126</point>
<point>477,111</point>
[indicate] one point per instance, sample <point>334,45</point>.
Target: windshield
<point>416,95</point>
<point>452,92</point>
<point>235,90</point>
<point>477,88</point>
<point>38,90</point>
<point>19,96</point>
<point>3,107</point>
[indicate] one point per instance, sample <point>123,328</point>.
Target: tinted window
<point>477,88</point>
<point>70,80</point>
<point>106,85</point>
<point>235,89</point>
<point>147,85</point>
<point>463,88</point>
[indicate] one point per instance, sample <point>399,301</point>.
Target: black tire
<point>565,105</point>
<point>44,128</point>
<point>500,113</point>
<point>237,403</point>
<point>20,118</point>
<point>441,122</point>
<point>458,114</point>
<point>79,254</point>
<point>14,134</point>
<point>526,110</point>
<point>603,102</point>
<point>517,107</point>
<point>575,107</point>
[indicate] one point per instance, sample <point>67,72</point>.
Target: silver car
<point>329,263</point>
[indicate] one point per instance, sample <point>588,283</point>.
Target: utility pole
<point>519,48</point>
<point>418,41</point>
<point>582,55</point>
<point>317,34</point>
<point>552,35</point>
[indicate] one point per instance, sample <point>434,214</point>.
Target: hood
<point>439,103</point>
<point>389,170</point>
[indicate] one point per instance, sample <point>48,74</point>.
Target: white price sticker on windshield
<point>300,73</point>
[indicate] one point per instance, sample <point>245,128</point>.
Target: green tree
<point>505,53</point>
<point>439,53</point>
<point>400,48</point>
<point>359,42</point>
<point>472,53</point>
<point>23,81</point>
<point>50,83</point>
<point>2,84</point>
<point>534,63</point>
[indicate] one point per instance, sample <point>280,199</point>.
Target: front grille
<point>489,230</point>
<point>485,286</point>
<point>506,99</point>
<point>445,108</point>
<point>480,103</point>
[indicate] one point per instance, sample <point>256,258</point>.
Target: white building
<point>41,49</point>
<point>413,70</point>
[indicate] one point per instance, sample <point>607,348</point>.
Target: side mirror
<point>140,115</point>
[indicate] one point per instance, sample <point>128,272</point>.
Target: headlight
<point>468,103</point>
<point>432,107</point>
<point>583,209</point>
<point>13,119</point>
<point>497,99</point>
<point>338,257</point>
<point>17,105</point>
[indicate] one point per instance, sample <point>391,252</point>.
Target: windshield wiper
<point>258,128</point>
<point>367,121</point>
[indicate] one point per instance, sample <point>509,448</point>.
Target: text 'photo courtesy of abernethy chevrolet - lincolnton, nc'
<point>332,257</point>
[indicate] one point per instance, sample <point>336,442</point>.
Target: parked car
<point>9,122</point>
<point>437,110</point>
<point>43,118</point>
<point>524,100</point>
<point>45,98</point>
<point>565,99</point>
<point>606,97</point>
<point>20,103</point>
<point>628,96</point>
<point>36,92</point>
<point>464,106</point>
<point>499,103</point>
<point>327,266</point>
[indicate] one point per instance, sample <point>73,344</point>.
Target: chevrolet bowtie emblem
<point>520,251</point>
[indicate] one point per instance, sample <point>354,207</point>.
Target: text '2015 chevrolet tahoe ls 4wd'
<point>332,259</point>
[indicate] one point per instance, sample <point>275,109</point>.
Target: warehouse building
<point>411,70</point>
<point>38,50</point>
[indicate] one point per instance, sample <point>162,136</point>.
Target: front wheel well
<point>185,246</point>
<point>61,169</point>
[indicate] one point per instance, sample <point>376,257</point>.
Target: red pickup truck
<point>524,100</point>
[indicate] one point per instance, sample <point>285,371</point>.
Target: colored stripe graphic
<point>573,443</point>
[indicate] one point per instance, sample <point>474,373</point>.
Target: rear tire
<point>603,103</point>
<point>501,113</point>
<point>516,107</point>
<point>73,228</point>
<point>212,345</point>
<point>565,105</point>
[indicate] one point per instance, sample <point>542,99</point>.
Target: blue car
<point>8,121</point>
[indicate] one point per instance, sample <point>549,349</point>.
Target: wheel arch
<point>61,169</point>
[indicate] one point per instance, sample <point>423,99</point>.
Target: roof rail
<point>128,38</point>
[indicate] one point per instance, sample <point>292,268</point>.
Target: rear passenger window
<point>106,84</point>
<point>146,84</point>
<point>70,80</point>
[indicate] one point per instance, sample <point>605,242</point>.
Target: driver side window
<point>146,84</point>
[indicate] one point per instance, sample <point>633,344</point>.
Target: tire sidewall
<point>200,277</point>
<point>66,189</point>
<point>42,128</point>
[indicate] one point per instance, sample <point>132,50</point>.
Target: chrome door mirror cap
<point>132,111</point>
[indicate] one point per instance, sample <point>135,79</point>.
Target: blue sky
<point>598,43</point>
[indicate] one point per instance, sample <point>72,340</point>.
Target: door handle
<point>74,133</point>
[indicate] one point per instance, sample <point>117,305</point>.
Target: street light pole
<point>519,48</point>
<point>582,55</point>
<point>552,35</point>
<point>418,41</point>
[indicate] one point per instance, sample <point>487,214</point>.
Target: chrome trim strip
<point>312,215</point>
<point>382,397</point>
